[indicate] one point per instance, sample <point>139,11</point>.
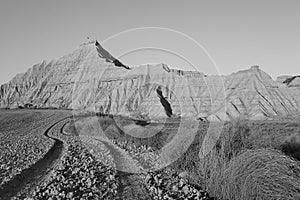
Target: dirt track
<point>131,186</point>
<point>130,181</point>
<point>29,178</point>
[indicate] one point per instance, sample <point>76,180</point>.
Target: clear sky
<point>237,34</point>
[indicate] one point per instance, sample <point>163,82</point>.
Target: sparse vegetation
<point>291,146</point>
<point>237,137</point>
<point>251,159</point>
<point>260,174</point>
<point>258,140</point>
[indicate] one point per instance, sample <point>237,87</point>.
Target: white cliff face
<point>255,93</point>
<point>293,84</point>
<point>92,79</point>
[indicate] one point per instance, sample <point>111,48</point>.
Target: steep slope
<point>254,93</point>
<point>293,81</point>
<point>293,84</point>
<point>91,79</point>
<point>51,84</point>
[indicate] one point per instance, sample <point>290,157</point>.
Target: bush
<point>232,141</point>
<point>291,146</point>
<point>260,174</point>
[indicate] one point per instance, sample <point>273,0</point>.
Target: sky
<point>216,37</point>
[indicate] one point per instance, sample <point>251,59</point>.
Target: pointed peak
<point>102,53</point>
<point>255,67</point>
<point>88,41</point>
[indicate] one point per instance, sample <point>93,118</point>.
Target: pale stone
<point>90,79</point>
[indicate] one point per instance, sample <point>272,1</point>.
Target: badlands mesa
<point>91,79</point>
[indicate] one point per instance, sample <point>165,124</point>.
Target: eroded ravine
<point>22,183</point>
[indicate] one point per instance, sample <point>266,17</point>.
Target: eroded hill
<point>91,79</point>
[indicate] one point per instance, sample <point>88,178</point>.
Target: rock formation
<point>290,81</point>
<point>91,79</point>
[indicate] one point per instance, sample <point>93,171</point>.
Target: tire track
<point>23,182</point>
<point>130,183</point>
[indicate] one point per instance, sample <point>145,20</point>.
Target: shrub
<point>291,146</point>
<point>232,141</point>
<point>260,174</point>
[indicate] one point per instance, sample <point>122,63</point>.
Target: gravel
<point>79,176</point>
<point>164,183</point>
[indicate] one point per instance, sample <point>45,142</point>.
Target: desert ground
<point>55,154</point>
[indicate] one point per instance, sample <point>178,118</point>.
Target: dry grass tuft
<point>231,143</point>
<point>291,146</point>
<point>242,165</point>
<point>238,169</point>
<point>261,174</point>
